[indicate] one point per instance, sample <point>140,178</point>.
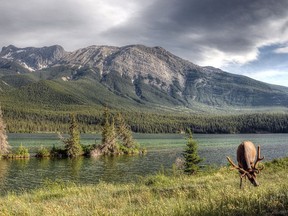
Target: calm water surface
<point>163,149</point>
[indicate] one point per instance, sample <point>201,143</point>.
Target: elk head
<point>246,165</point>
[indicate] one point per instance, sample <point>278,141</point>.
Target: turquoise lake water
<point>163,150</point>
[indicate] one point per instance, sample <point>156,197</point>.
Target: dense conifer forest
<point>146,122</point>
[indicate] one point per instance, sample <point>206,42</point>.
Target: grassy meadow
<point>210,192</point>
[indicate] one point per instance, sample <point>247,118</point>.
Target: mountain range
<point>128,77</point>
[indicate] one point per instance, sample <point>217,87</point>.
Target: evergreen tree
<point>191,156</point>
<point>109,141</point>
<point>4,145</point>
<point>72,144</point>
<point>124,133</point>
<point>116,137</point>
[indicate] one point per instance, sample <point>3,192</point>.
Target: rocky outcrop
<point>32,58</point>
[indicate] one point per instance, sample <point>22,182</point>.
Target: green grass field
<point>210,192</point>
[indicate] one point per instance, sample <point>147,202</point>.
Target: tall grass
<point>213,192</point>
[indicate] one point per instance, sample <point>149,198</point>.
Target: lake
<point>163,150</point>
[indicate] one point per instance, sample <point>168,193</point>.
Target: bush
<point>42,152</point>
<point>279,163</point>
<point>57,152</point>
<point>87,149</point>
<point>21,152</point>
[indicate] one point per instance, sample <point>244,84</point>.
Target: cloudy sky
<point>248,37</point>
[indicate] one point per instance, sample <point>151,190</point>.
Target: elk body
<point>247,165</point>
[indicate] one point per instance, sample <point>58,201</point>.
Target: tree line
<point>145,122</point>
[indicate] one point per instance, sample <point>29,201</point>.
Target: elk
<point>247,166</point>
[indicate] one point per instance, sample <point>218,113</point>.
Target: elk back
<point>246,154</point>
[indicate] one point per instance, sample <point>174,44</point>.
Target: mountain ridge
<point>133,74</point>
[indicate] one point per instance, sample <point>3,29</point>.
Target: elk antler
<point>257,160</point>
<point>244,172</point>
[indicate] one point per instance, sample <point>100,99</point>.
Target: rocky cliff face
<point>133,61</point>
<point>146,74</point>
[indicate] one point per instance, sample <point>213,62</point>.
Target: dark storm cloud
<point>204,31</point>
<point>234,27</point>
<point>228,24</point>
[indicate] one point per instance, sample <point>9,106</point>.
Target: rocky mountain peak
<point>90,56</point>
<point>149,74</point>
<point>33,58</point>
<point>8,48</point>
<point>133,61</point>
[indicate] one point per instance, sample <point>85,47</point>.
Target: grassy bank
<point>207,193</point>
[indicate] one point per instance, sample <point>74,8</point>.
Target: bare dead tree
<point>4,145</point>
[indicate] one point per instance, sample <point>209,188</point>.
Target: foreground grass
<point>208,193</point>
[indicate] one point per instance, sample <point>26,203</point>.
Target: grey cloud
<point>230,26</point>
<point>184,27</point>
<point>39,20</point>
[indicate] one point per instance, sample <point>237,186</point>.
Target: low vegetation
<point>20,152</point>
<point>210,192</point>
<point>43,152</point>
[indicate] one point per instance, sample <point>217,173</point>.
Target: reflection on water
<point>76,165</point>
<point>162,152</point>
<point>4,167</point>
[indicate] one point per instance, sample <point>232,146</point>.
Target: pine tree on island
<point>109,144</point>
<point>127,144</point>
<point>116,137</point>
<point>72,143</point>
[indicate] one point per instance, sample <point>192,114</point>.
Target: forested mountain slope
<point>51,81</point>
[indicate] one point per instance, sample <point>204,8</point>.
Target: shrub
<point>21,152</point>
<point>42,152</point>
<point>57,152</point>
<point>87,149</point>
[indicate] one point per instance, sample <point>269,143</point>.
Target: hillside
<point>134,74</point>
<point>132,78</point>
